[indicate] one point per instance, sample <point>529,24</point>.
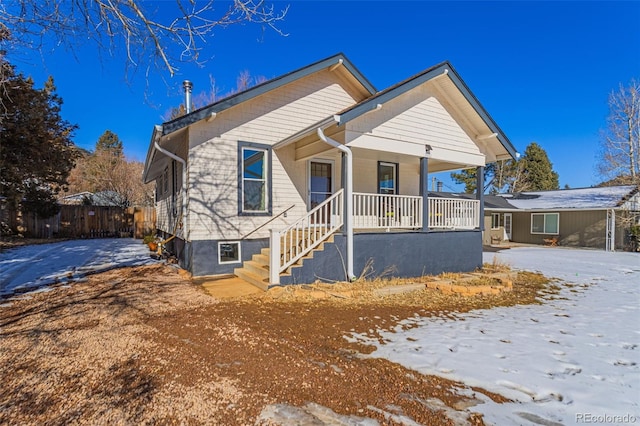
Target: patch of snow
<point>576,355</point>
<point>581,198</point>
<point>310,415</point>
<point>34,267</point>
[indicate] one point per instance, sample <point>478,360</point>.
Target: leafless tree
<point>160,34</point>
<point>116,179</point>
<point>203,98</point>
<point>620,141</point>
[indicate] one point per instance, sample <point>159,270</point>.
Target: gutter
<point>156,145</point>
<point>348,203</point>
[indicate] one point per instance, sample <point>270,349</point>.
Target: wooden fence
<point>84,222</point>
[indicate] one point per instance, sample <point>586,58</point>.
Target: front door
<point>320,188</point>
<point>320,181</point>
<point>507,225</point>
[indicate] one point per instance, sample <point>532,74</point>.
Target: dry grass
<point>527,288</point>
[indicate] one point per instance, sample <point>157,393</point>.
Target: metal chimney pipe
<point>439,186</point>
<point>187,85</point>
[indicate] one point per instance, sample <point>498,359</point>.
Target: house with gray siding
<point>317,175</point>
<point>584,217</point>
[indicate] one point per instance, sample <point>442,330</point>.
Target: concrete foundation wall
<point>411,254</point>
<point>204,256</point>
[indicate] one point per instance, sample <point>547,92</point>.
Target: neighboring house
<point>315,175</point>
<point>101,198</point>
<point>77,199</point>
<point>585,217</point>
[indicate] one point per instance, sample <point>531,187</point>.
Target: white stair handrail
<point>287,246</point>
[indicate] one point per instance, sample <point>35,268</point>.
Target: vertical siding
<point>577,229</point>
<point>267,119</point>
<point>583,229</point>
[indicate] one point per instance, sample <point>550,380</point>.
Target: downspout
<point>348,202</point>
<point>184,179</point>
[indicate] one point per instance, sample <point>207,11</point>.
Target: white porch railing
<point>454,213</point>
<point>370,211</point>
<point>382,211</point>
<point>305,234</point>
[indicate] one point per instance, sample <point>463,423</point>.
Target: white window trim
<point>220,243</point>
<point>396,189</point>
<point>544,224</point>
<point>333,177</point>
<point>265,180</point>
<point>493,215</point>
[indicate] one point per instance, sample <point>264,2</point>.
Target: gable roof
<point>205,112</point>
<point>211,110</point>
<point>609,197</point>
<point>444,68</point>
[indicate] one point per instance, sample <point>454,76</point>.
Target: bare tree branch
<point>169,33</point>
<point>620,141</point>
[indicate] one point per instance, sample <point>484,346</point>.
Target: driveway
<point>36,267</point>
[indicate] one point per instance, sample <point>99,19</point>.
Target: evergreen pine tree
<point>538,174</point>
<point>36,150</point>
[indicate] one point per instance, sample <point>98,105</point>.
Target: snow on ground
<point>573,359</point>
<point>35,267</point>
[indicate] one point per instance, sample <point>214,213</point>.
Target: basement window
<point>545,223</point>
<point>228,252</point>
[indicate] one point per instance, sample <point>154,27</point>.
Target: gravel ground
<point>145,345</point>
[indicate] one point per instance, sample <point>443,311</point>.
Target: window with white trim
<point>254,186</point>
<point>495,220</point>
<point>387,178</point>
<point>229,252</point>
<point>545,223</point>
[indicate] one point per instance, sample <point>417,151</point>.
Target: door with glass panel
<point>320,186</point>
<point>388,211</point>
<point>507,225</point>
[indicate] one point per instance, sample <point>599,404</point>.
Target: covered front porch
<point>365,173</point>
<point>394,215</point>
<point>356,192</point>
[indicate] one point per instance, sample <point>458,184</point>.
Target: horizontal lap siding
<point>213,158</point>
<point>166,219</point>
<point>419,118</point>
<point>365,178</point>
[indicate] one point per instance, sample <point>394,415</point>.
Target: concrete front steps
<point>256,270</point>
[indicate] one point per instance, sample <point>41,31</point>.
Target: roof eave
<point>205,112</point>
<point>155,137</point>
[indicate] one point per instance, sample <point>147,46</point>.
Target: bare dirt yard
<point>146,345</point>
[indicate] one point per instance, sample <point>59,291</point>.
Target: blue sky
<point>543,70</point>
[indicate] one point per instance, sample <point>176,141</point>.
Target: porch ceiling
<point>309,145</point>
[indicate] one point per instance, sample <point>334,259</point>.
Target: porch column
<point>424,191</point>
<point>348,197</point>
<point>480,193</point>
